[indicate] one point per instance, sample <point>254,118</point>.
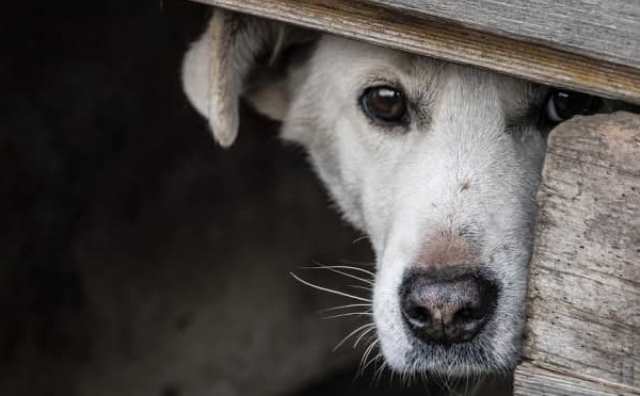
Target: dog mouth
<point>461,360</point>
<point>467,359</point>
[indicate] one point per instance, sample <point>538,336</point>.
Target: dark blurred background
<point>137,258</point>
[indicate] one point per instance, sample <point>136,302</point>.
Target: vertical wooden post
<point>583,332</point>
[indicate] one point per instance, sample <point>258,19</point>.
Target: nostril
<point>465,314</point>
<point>419,316</point>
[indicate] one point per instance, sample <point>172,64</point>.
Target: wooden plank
<point>608,30</point>
<point>531,380</point>
<point>584,287</point>
<point>439,38</point>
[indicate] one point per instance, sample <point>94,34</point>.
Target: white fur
<point>401,186</point>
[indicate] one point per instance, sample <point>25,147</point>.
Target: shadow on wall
<point>138,258</point>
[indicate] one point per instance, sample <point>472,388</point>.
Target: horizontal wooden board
<point>531,380</point>
<point>584,287</point>
<point>442,39</point>
<point>608,29</point>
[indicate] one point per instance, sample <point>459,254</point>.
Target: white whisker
<point>331,291</point>
<point>339,307</point>
<point>364,333</point>
<point>377,378</point>
<point>360,238</point>
<point>358,264</point>
<point>348,275</point>
<point>373,359</point>
<point>349,314</point>
<point>338,268</point>
<point>351,334</point>
<point>366,354</point>
<point>360,287</point>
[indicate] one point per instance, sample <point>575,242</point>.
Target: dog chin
<point>477,358</point>
<point>454,361</point>
<point>447,365</point>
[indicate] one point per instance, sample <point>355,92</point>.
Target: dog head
<point>437,163</point>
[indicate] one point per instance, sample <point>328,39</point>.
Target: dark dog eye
<point>562,105</point>
<point>384,104</point>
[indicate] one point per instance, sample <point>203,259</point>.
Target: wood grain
<point>607,30</point>
<point>584,287</point>
<point>531,380</point>
<point>437,37</point>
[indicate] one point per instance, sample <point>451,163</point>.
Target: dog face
<point>437,163</point>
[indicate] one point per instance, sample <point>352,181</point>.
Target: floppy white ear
<point>216,65</point>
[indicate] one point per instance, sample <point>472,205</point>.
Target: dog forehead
<point>341,52</point>
<point>347,62</point>
<point>350,64</point>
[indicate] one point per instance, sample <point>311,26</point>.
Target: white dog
<point>436,162</point>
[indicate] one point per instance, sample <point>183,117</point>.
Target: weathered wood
<point>426,34</point>
<point>607,29</point>
<point>531,380</point>
<point>584,287</point>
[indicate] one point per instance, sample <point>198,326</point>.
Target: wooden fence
<point>583,332</point>
<point>583,329</point>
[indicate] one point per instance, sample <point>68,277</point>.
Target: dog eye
<point>562,105</point>
<point>384,103</point>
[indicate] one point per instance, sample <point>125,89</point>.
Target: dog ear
<point>216,70</point>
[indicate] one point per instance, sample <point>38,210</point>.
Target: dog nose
<point>446,310</point>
